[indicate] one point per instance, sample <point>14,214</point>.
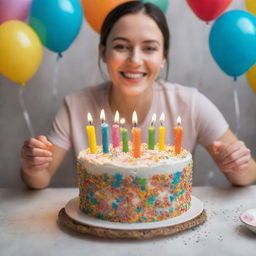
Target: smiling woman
<point>134,46</point>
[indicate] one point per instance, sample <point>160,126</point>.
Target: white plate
<point>249,219</point>
<point>73,211</point>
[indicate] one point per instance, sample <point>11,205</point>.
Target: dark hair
<point>134,7</point>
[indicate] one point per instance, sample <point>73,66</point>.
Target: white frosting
<point>151,162</point>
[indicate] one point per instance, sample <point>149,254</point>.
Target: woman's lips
<point>133,75</point>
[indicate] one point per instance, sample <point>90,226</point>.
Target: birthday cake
<point>120,188</point>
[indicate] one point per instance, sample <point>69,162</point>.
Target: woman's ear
<point>102,52</point>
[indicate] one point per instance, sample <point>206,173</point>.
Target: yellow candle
<point>178,132</point>
<point>136,133</point>
<point>91,135</point>
<point>161,133</point>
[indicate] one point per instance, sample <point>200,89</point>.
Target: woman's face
<point>134,53</point>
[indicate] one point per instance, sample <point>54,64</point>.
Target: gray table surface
<point>28,227</point>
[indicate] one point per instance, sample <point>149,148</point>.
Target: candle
<point>104,132</point>
<point>91,135</point>
<point>136,133</point>
<point>161,132</point>
<point>178,132</point>
<point>151,133</point>
<point>124,134</point>
<point>115,131</point>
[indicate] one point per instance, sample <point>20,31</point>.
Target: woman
<point>134,45</point>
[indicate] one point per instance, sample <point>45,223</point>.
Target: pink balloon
<point>14,10</point>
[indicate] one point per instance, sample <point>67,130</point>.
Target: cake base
<point>65,220</point>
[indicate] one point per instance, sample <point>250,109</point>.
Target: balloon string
<point>237,109</point>
<point>25,112</point>
<point>55,77</point>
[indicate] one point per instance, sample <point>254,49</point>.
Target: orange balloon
<point>95,11</point>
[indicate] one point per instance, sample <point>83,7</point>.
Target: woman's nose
<point>135,57</point>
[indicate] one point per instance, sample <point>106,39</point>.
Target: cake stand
<point>73,218</point>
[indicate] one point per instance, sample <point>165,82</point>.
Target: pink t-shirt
<point>202,122</point>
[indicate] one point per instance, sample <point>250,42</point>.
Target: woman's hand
<point>233,157</point>
<point>36,155</point>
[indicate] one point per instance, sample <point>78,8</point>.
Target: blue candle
<point>104,132</point>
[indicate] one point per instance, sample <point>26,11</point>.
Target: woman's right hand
<point>36,155</point>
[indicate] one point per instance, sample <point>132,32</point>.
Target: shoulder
<point>174,88</point>
<point>177,91</point>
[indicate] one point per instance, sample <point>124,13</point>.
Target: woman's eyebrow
<point>151,41</point>
<point>127,40</point>
<point>120,38</point>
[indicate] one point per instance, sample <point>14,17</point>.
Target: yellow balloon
<point>251,77</point>
<point>20,51</point>
<point>251,6</point>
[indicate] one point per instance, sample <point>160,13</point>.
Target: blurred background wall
<point>191,64</point>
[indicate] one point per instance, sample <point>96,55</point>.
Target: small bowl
<point>249,219</point>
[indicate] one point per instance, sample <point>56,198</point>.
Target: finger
<point>236,155</point>
<point>218,146</point>
<point>237,163</point>
<point>34,161</point>
<point>34,143</point>
<point>47,143</point>
<point>230,149</point>
<point>237,169</point>
<point>33,152</point>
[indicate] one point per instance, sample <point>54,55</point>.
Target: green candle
<point>152,133</point>
<point>124,134</point>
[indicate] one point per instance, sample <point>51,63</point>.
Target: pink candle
<point>115,131</point>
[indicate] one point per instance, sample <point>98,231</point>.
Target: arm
<point>234,159</point>
<point>39,161</point>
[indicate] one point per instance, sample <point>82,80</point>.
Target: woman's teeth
<point>133,76</point>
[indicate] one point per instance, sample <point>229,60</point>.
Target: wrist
<point>35,179</point>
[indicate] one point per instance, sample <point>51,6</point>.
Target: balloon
<point>14,10</point>
<point>95,11</point>
<point>208,10</point>
<point>56,22</point>
<point>251,77</point>
<point>251,6</point>
<point>162,4</point>
<point>232,42</point>
<point>20,51</point>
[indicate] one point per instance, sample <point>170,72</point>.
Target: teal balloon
<point>232,42</point>
<point>162,4</point>
<point>57,22</point>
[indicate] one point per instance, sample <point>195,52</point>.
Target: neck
<point>127,104</point>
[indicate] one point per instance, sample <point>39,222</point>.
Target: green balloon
<point>162,4</point>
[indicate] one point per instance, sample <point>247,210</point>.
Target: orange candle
<point>136,133</point>
<point>178,133</point>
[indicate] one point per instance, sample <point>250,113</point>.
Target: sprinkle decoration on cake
<point>117,187</point>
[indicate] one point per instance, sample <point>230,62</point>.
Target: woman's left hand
<point>233,157</point>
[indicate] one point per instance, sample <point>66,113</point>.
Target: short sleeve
<point>210,123</point>
<point>60,130</point>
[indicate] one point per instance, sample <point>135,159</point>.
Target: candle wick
<point>90,122</point>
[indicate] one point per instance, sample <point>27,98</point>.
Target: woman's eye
<point>150,48</point>
<point>120,47</point>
